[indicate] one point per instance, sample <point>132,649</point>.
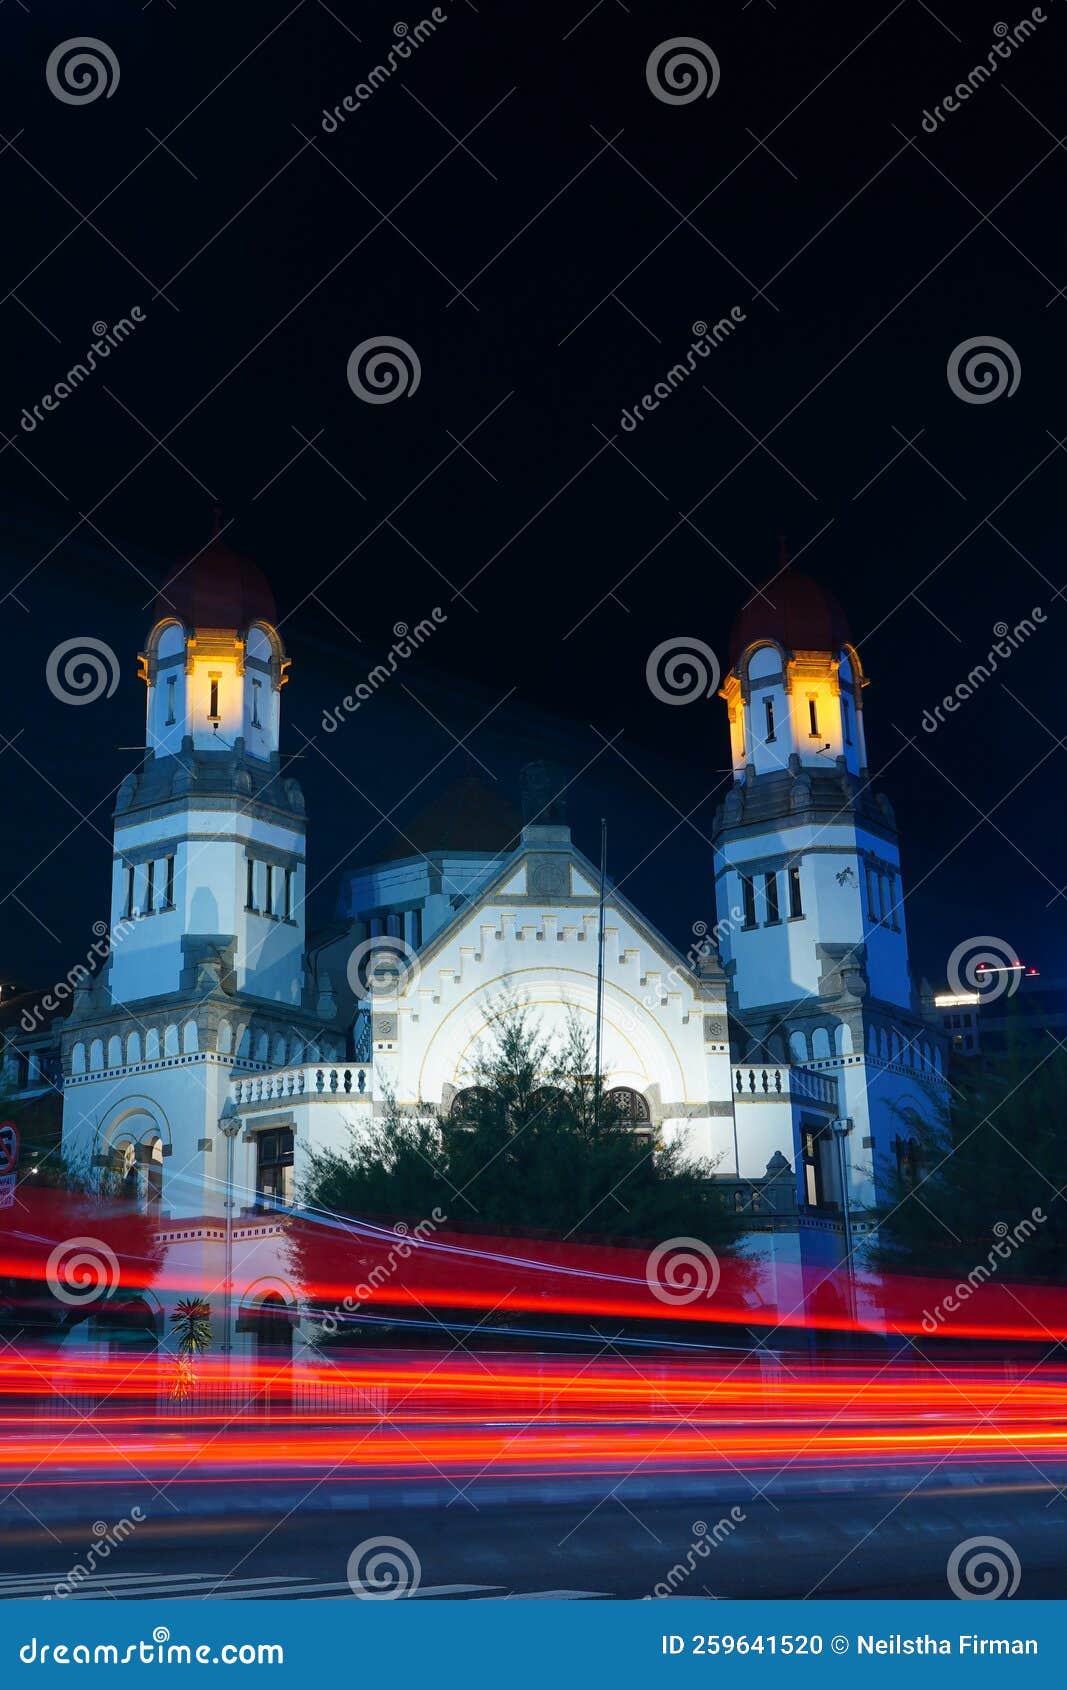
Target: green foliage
<point>192,1322</point>
<point>994,1156</point>
<point>526,1149</point>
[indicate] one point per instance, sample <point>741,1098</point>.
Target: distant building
<point>783,1046</point>
<point>980,1025</point>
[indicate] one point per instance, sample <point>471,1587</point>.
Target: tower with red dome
<point>808,883</point>
<point>206,975</point>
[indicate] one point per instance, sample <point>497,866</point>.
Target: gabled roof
<point>494,890</point>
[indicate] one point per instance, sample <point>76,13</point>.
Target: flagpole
<point>600,969</point>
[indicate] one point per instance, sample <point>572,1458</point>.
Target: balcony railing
<point>766,1082</point>
<point>324,1081</point>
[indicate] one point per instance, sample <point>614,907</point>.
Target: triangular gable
<point>584,880</point>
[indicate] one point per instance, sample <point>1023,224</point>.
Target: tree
<point>529,1147</point>
<point>968,1174</point>
<point>529,1150</point>
<point>192,1323</point>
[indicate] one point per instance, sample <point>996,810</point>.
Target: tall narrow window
<point>872,895</point>
<point>846,717</point>
<point>770,887</point>
<point>796,907</point>
<point>768,711</point>
<point>171,681</point>
<point>129,891</point>
<point>814,1194</point>
<point>288,894</point>
<point>250,885</point>
<point>169,885</point>
<point>274,1168</point>
<point>813,717</point>
<point>213,705</point>
<point>748,900</point>
<point>268,901</point>
<point>150,887</point>
<point>256,723</point>
<point>416,928</point>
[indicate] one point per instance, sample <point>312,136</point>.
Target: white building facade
<point>218,1045</point>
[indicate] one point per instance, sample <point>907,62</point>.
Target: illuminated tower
<point>209,833</point>
<point>807,870</point>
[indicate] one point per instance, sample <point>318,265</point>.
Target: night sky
<point>517,205</point>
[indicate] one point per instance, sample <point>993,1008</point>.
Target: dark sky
<point>520,155</point>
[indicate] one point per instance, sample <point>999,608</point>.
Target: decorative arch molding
<point>269,1285</point>
<point>649,1055</point>
<point>118,1126</point>
<point>745,664</point>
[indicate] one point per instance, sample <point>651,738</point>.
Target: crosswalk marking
<point>39,1584</point>
<point>343,1586</point>
<point>546,1595</point>
<point>192,1587</point>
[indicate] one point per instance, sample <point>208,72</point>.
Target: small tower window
<point>770,887</point>
<point>256,685</point>
<point>768,711</point>
<point>814,1192</point>
<point>796,907</point>
<point>268,901</point>
<point>171,682</point>
<point>813,718</point>
<point>169,885</point>
<point>128,909</point>
<point>213,705</point>
<point>288,894</point>
<point>150,888</point>
<point>875,893</point>
<point>250,884</point>
<point>748,900</point>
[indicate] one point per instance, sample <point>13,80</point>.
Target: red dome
<point>797,612</point>
<point>217,588</point>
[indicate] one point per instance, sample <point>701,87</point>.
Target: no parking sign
<point>9,1157</point>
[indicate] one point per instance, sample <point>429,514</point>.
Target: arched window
<point>279,1051</point>
<point>225,1038</point>
<point>170,1041</point>
<point>124,1168</point>
<point>798,1047</point>
<point>153,1179</point>
<point>843,1039</point>
<point>133,1048</point>
<point>627,1105</point>
<point>151,1045</point>
<point>96,1054</point>
<point>545,1102</point>
<point>114,1051</point>
<point>77,1059</point>
<point>820,1043</point>
<point>467,1104</point>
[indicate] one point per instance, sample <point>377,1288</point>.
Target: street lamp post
<point>841,1129</point>
<point>229,1127</point>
